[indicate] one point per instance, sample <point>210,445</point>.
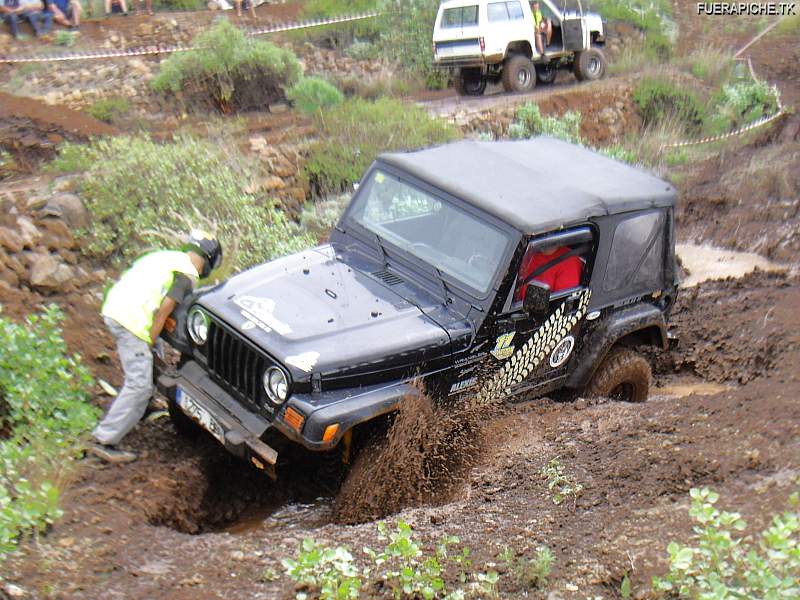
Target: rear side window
<point>504,11</point>
<point>637,253</point>
<point>462,16</point>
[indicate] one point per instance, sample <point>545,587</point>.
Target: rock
<point>13,263</point>
<point>56,234</point>
<point>68,256</point>
<point>272,183</point>
<point>237,555</point>
<point>10,239</point>
<point>28,232</point>
<point>68,207</point>
<point>49,273</point>
<point>9,276</point>
<point>99,276</point>
<point>281,167</point>
<point>278,108</point>
<point>35,202</point>
<point>14,591</point>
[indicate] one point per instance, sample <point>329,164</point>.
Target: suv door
<point>532,353</point>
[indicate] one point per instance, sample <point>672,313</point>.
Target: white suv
<point>491,40</point>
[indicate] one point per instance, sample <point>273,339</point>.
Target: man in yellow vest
<point>135,310</point>
<point>544,28</point>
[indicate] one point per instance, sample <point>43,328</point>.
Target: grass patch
<point>789,25</point>
<point>720,562</point>
<point>659,100</point>
<point>312,94</point>
<point>712,65</point>
<point>110,109</point>
<point>65,38</point>
<point>230,72</point>
<point>44,416</point>
<point>139,192</point>
<point>529,122</point>
<point>356,131</point>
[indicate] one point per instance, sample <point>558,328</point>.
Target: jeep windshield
<point>452,240</point>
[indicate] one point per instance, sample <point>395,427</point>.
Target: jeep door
<point>537,347</point>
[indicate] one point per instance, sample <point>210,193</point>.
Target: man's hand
<point>166,308</point>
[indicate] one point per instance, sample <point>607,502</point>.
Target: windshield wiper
<point>382,249</point>
<point>445,292</point>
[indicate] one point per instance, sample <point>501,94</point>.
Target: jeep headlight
<point>197,324</point>
<point>276,385</point>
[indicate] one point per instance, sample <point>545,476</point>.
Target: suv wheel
<point>546,73</point>
<point>623,375</point>
<point>519,74</point>
<point>470,82</point>
<point>589,65</point>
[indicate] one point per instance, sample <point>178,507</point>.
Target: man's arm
<point>166,308</point>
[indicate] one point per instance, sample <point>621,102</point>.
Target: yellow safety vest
<point>134,299</point>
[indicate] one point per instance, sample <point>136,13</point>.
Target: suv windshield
<point>451,239</point>
<point>462,16</point>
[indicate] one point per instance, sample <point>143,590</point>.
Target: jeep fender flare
<point>644,323</point>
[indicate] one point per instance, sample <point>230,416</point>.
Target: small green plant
<point>625,587</point>
<point>357,130</point>
<point>109,109</point>
<point>658,100</point>
<point>65,38</point>
<point>618,152</point>
<point>559,484</point>
<point>230,70</point>
<point>528,572</point>
<point>712,65</point>
<point>44,414</point>
<point>720,564</point>
<point>311,95</point>
<point>140,193</point>
<point>330,571</point>
<point>529,122</point>
<point>742,102</point>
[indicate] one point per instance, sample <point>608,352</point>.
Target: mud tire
<point>519,74</point>
<point>470,82</point>
<point>590,65</point>
<point>624,375</point>
<point>183,425</point>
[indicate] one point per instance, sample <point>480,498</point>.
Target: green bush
<point>658,100</point>
<point>742,102</point>
<point>529,122</point>
<point>109,109</point>
<point>138,192</point>
<point>720,564</point>
<point>357,130</point>
<point>230,70</point>
<point>44,414</point>
<point>657,47</point>
<point>311,94</point>
<point>341,34</point>
<point>65,38</point>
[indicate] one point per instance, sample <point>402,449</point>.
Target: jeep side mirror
<point>537,299</point>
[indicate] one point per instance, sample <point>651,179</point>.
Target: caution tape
<point>169,49</point>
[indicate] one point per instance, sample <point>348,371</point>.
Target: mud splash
<point>706,263</point>
<point>420,461</point>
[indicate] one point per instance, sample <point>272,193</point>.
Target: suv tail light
<point>483,44</point>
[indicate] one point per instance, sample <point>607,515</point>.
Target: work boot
<point>111,454</point>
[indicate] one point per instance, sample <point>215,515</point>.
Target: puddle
<point>681,390</point>
<point>303,515</point>
<point>705,263</point>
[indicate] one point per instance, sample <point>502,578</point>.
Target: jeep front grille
<point>235,363</point>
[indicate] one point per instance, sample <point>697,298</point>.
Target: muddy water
<point>705,263</point>
<point>296,515</point>
<point>681,390</point>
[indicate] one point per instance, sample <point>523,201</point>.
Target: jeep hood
<point>313,313</point>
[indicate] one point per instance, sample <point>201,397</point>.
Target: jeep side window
<point>459,17</point>
<point>504,11</point>
<point>637,253</point>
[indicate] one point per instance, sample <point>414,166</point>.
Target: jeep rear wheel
<point>519,74</point>
<point>624,375</point>
<point>546,73</point>
<point>589,65</point>
<point>470,82</point>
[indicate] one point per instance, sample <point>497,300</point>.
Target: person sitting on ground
<point>30,10</point>
<point>135,310</point>
<point>248,5</point>
<point>116,6</point>
<point>561,276</point>
<point>544,28</point>
<point>65,12</point>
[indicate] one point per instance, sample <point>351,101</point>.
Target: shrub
<point>64,38</point>
<point>138,192</point>
<point>659,100</point>
<point>230,70</point>
<point>742,102</point>
<point>44,413</point>
<point>109,109</point>
<point>529,122</point>
<point>658,47</point>
<point>311,94</point>
<point>712,65</point>
<point>720,564</point>
<point>357,130</point>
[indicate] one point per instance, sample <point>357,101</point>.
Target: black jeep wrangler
<point>436,272</point>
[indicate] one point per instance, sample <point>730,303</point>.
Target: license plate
<point>199,414</point>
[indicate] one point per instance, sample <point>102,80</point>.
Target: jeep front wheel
<point>623,375</point>
<point>589,65</point>
<point>519,74</point>
<point>470,82</point>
